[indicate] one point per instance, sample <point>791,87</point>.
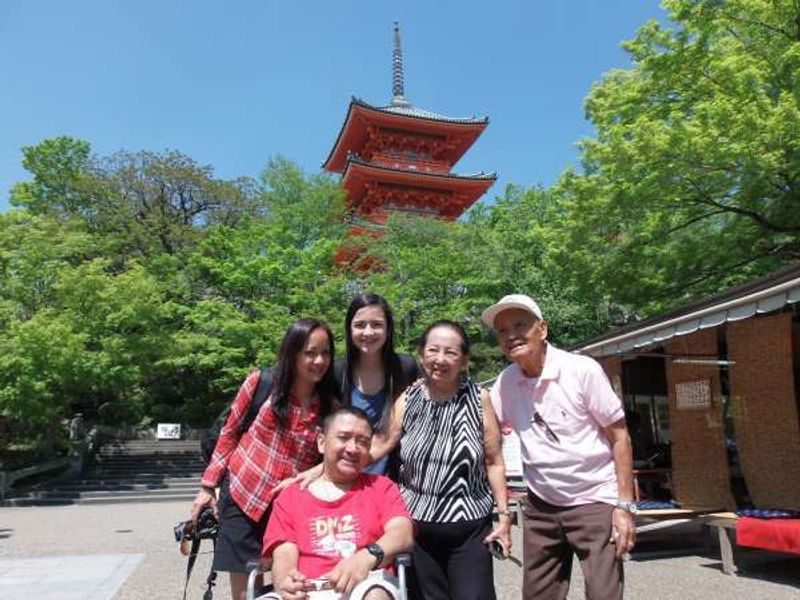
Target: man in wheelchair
<point>335,539</point>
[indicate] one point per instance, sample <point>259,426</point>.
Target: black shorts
<point>240,538</point>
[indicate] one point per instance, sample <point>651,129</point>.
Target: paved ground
<point>126,552</point>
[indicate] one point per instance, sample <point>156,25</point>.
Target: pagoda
<point>399,158</point>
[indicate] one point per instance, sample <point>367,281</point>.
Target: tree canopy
<point>139,286</point>
<point>693,179</point>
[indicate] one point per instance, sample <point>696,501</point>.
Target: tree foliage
<point>693,179</point>
<point>140,287</point>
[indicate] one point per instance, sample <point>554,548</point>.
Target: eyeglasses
<point>551,435</point>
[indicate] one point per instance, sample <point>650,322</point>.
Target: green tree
<point>693,180</point>
<point>61,171</point>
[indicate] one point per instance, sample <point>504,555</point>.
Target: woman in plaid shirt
<point>280,443</point>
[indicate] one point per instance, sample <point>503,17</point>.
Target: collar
<point>550,370</point>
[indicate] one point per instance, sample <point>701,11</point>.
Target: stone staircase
<point>127,471</point>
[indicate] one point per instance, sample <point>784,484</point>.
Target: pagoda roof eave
<point>412,112</point>
<point>400,118</point>
<point>443,180</point>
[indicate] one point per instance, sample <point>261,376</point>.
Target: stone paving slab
<point>91,577</point>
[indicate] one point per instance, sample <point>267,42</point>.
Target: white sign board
<point>693,395</point>
<point>168,431</point>
<point>512,453</point>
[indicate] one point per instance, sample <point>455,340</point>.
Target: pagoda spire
<point>397,70</point>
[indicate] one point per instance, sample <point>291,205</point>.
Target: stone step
<point>146,464</point>
<point>122,486</point>
<point>131,473</point>
<point>143,479</point>
<point>148,451</point>
<point>157,456</point>
<point>57,500</point>
<point>152,442</point>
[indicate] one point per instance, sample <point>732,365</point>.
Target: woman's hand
<point>283,484</point>
<point>205,497</point>
<point>501,533</point>
<point>306,477</point>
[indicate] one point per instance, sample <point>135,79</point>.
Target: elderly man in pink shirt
<point>576,456</point>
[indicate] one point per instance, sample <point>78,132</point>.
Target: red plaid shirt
<point>265,454</point>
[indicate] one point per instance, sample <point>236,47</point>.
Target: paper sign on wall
<point>693,394</point>
<point>168,431</point>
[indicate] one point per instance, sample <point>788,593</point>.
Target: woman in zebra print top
<point>451,467</point>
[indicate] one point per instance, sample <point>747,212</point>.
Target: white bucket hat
<point>511,301</point>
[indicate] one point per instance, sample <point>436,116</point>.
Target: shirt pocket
<point>564,422</point>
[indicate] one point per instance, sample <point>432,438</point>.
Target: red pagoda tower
<point>399,158</point>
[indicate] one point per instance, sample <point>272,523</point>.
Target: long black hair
<point>294,340</point>
<point>392,369</point>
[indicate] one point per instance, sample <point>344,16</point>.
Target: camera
<point>207,527</point>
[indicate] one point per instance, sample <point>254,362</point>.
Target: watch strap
<point>377,552</point>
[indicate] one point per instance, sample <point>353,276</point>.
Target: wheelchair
<point>258,568</point>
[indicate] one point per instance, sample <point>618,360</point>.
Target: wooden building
<point>715,386</point>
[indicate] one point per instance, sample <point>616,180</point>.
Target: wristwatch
<point>377,552</point>
<point>627,506</point>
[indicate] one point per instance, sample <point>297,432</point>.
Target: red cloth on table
<point>780,535</point>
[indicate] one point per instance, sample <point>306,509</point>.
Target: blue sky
<point>232,84</point>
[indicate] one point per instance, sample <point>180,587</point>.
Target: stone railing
<point>66,467</point>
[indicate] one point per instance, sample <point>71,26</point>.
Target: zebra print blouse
<point>442,469</point>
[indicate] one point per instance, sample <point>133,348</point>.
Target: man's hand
<point>293,587</point>
<point>351,571</point>
<point>623,531</point>
<point>205,497</point>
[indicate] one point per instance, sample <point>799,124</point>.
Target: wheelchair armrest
<point>403,559</point>
<point>262,565</point>
<point>255,568</point>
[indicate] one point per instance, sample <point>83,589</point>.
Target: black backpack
<point>208,440</point>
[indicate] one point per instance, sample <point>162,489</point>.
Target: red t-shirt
<point>327,532</point>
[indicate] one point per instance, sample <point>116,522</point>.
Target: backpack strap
<point>260,396</point>
<point>339,376</point>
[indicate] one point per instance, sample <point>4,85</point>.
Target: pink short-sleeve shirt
<point>559,417</point>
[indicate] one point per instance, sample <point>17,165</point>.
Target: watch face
<point>376,551</point>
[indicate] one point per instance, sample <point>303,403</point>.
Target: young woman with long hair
<point>372,375</point>
<point>281,441</point>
